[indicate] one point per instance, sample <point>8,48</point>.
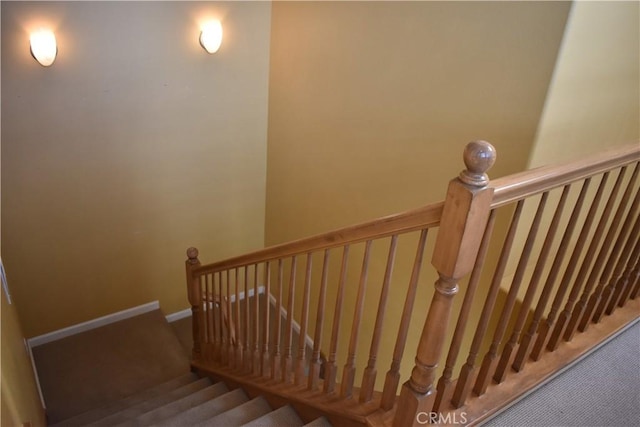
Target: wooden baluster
<point>463,222</point>
<point>287,363</point>
<point>314,367</point>
<point>468,370</point>
<point>510,346</point>
<point>330,366</point>
<point>535,327</point>
<point>210,291</point>
<point>203,307</point>
<point>246,358</point>
<point>195,299</point>
<point>489,360</point>
<point>633,268</point>
<point>210,320</point>
<point>349,370</point>
<point>565,314</point>
<point>302,339</point>
<point>617,257</point>
<point>276,362</point>
<point>624,269</point>
<point>231,335</point>
<point>392,379</point>
<point>255,367</point>
<point>369,376</point>
<point>581,307</point>
<point>238,345</point>
<point>265,360</point>
<point>444,383</point>
<point>220,348</point>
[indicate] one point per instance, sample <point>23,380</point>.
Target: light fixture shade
<point>211,36</point>
<point>44,47</point>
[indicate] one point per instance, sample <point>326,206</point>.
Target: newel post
<point>464,218</point>
<point>195,299</point>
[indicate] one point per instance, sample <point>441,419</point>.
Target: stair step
<point>206,410</point>
<point>240,414</point>
<point>319,422</point>
<point>283,416</point>
<point>148,405</point>
<point>106,410</point>
<point>178,406</point>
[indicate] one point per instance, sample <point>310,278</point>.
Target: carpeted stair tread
<point>206,410</point>
<point>319,422</point>
<point>156,402</point>
<point>178,406</point>
<point>283,416</point>
<point>106,410</point>
<point>240,414</point>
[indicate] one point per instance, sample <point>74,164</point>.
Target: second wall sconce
<point>43,47</point>
<point>211,36</point>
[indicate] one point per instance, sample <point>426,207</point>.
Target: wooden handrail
<point>416,219</point>
<point>525,184</point>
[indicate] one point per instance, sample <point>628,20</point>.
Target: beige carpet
<point>601,390</point>
<point>93,368</point>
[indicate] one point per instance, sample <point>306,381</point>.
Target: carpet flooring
<point>90,369</point>
<point>601,390</point>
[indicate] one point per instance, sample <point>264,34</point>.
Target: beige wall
<point>20,400</point>
<point>133,146</point>
<point>594,97</point>
<point>370,106</point>
<point>371,103</point>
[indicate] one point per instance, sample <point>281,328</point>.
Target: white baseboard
<point>178,315</point>
<point>92,324</point>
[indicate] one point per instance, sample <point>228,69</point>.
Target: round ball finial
<point>192,254</point>
<point>478,157</point>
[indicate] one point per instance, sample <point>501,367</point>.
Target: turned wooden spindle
<point>314,366</point>
<point>255,367</point>
<point>462,225</point>
<point>265,359</point>
<point>287,360</point>
<point>195,299</point>
<point>392,379</point>
<point>302,342</point>
<point>330,366</point>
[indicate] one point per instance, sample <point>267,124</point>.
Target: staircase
<point>92,379</point>
<point>547,263</point>
<point>189,400</point>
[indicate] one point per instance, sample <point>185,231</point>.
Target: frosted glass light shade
<point>43,47</point>
<point>211,36</point>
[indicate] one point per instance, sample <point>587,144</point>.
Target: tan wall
<point>20,400</point>
<point>133,146</point>
<point>371,103</point>
<point>594,96</point>
<point>370,106</point>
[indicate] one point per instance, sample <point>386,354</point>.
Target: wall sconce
<point>43,47</point>
<point>211,36</point>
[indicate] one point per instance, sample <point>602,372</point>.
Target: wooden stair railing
<point>514,346</point>
<point>515,268</point>
<point>264,352</point>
